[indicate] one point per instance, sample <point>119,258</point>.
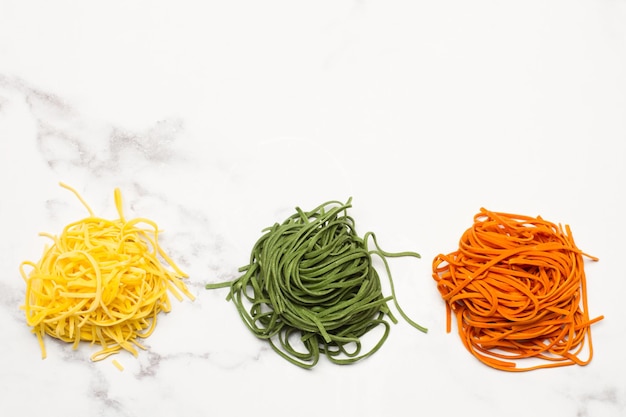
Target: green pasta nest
<point>310,288</point>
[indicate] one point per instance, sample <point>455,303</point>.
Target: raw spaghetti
<point>311,289</point>
<point>101,281</point>
<point>517,287</point>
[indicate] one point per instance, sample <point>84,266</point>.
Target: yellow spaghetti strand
<point>118,365</point>
<point>101,281</point>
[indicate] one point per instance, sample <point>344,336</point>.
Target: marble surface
<point>216,119</point>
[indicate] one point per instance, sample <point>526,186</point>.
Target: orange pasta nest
<point>101,281</point>
<point>517,287</point>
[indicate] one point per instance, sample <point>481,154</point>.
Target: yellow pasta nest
<point>101,281</point>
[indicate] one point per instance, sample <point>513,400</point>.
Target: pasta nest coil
<point>517,287</point>
<point>101,281</point>
<point>310,288</point>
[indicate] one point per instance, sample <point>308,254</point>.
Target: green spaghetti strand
<point>310,288</point>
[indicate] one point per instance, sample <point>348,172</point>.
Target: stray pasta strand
<point>310,288</point>
<point>101,281</point>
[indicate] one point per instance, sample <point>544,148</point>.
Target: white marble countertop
<point>217,120</point>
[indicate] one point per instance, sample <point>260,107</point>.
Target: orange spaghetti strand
<point>517,288</point>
